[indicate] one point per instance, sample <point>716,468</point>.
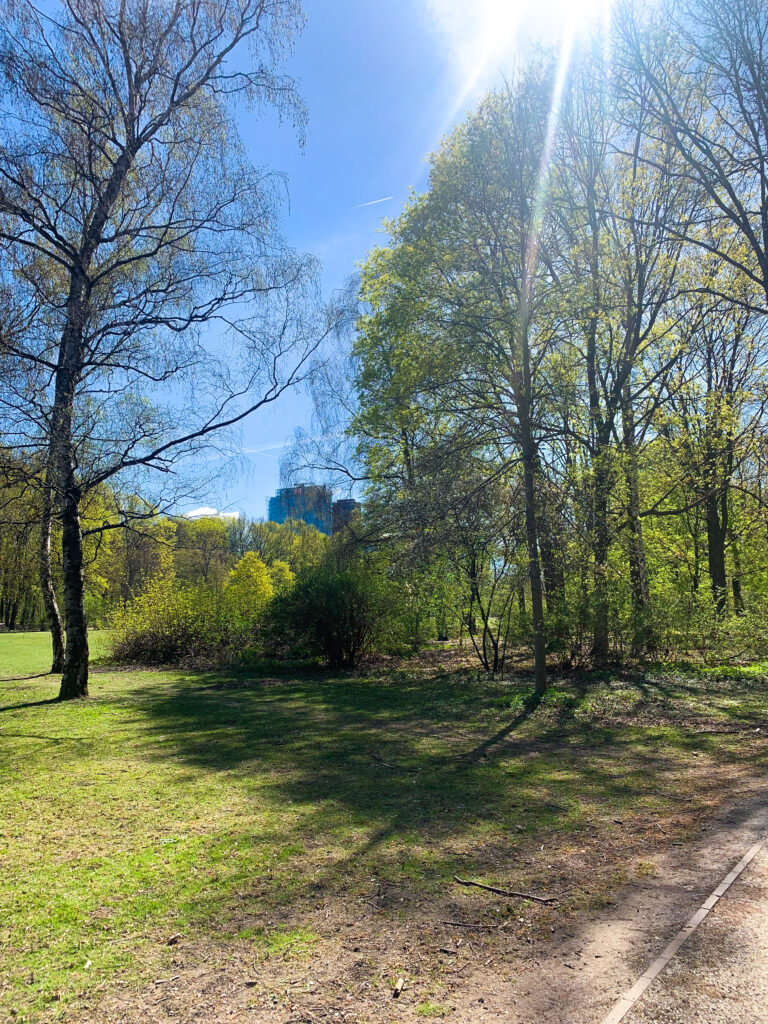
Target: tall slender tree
<point>132,219</point>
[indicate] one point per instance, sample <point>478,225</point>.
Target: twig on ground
<point>506,892</point>
<point>394,767</point>
<point>383,764</point>
<point>470,924</point>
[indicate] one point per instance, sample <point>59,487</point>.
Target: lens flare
<point>485,37</point>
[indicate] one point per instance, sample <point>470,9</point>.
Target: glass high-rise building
<point>310,502</point>
<point>343,511</point>
<point>314,504</point>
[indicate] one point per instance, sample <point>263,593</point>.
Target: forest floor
<point>216,846</point>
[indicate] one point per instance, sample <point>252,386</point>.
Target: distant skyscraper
<point>342,512</point>
<point>310,502</point>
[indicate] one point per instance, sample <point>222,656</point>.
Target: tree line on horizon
<point>554,400</point>
<point>557,389</point>
<point>121,564</point>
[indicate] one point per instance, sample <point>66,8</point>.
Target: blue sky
<point>383,80</point>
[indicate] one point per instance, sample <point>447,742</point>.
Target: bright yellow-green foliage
<point>248,588</point>
<point>201,550</point>
<point>174,621</point>
<point>281,576</point>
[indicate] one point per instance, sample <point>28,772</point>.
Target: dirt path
<point>720,975</point>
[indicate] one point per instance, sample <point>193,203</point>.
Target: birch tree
<point>167,307</point>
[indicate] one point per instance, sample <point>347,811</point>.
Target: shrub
<point>173,622</point>
<point>339,610</point>
<point>169,622</point>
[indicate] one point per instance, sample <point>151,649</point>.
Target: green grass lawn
<point>29,654</point>
<point>160,803</point>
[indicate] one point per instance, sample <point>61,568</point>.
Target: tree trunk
<point>738,596</point>
<point>551,548</point>
<point>74,680</point>
<point>530,460</point>
<point>534,573</point>
<point>532,544</point>
<point>694,532</point>
<point>600,546</point>
<point>52,613</point>
<point>716,533</point>
<point>638,572</point>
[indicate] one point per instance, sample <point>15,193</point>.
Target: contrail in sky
<point>373,202</point>
<point>263,449</point>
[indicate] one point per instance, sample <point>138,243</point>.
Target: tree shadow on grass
<point>344,786</point>
<point>293,797</point>
<point>24,679</point>
<point>46,739</point>
<point>30,704</point>
<point>363,795</point>
<point>383,771</point>
<point>530,704</point>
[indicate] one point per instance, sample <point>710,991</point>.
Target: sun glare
<point>485,39</point>
<point>485,36</point>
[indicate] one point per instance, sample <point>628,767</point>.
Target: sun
<point>485,36</point>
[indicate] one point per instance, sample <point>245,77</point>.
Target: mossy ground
<point>224,806</point>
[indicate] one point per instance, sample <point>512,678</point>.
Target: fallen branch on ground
<point>470,924</point>
<point>383,764</point>
<point>394,767</point>
<point>506,892</point>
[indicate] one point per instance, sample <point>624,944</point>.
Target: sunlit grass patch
<point>230,806</point>
<point>646,869</point>
<point>288,943</point>
<point>429,1009</point>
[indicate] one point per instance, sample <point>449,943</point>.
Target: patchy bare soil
<point>472,956</point>
<point>298,837</point>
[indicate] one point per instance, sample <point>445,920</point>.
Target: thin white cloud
<point>373,202</point>
<point>207,512</point>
